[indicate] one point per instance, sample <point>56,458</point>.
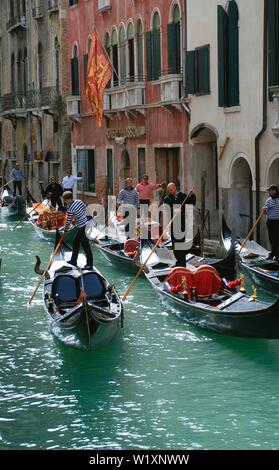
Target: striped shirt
<point>128,197</point>
<point>77,211</point>
<point>272,205</point>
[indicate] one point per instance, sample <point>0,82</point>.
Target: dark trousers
<point>145,201</point>
<point>273,234</point>
<point>17,184</point>
<point>68,189</point>
<point>131,225</point>
<point>56,200</point>
<point>180,255</point>
<point>81,239</point>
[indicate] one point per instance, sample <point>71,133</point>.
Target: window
<point>197,71</point>
<point>139,42</point>
<point>40,66</point>
<point>19,72</point>
<point>122,52</point>
<point>57,64</point>
<point>131,52</point>
<point>72,2</point>
<point>85,60</point>
<point>75,72</point>
<point>174,46</point>
<point>228,55</point>
<point>110,179</point>
<point>115,57</point>
<point>13,73</point>
<point>25,71</point>
<point>108,51</point>
<point>141,163</point>
<point>153,50</point>
<point>86,165</point>
<point>273,42</point>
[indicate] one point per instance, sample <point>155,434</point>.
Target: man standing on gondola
<point>179,199</point>
<point>54,191</point>
<point>271,208</point>
<point>17,176</point>
<point>76,209</point>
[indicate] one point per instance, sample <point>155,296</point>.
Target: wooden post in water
<point>203,183</point>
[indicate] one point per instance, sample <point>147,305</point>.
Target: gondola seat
<point>94,286</point>
<point>205,279</point>
<point>65,290</point>
<point>131,247</point>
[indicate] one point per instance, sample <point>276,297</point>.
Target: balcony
<point>53,6</point>
<point>37,12</point>
<point>18,103</point>
<point>104,5</point>
<point>73,107</point>
<point>16,23</point>
<point>171,86</point>
<point>125,98</point>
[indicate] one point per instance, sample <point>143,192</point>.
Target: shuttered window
<point>74,76</point>
<point>85,62</point>
<point>153,50</point>
<point>197,71</point>
<point>228,55</point>
<point>174,48</point>
<point>273,42</point>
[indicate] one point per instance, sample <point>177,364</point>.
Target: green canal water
<point>160,384</point>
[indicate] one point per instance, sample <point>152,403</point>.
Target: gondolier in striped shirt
<point>76,209</point>
<point>271,209</point>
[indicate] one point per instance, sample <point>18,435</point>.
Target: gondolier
<point>178,198</point>
<point>129,198</point>
<point>76,209</point>
<point>271,208</point>
<point>69,181</point>
<point>17,176</point>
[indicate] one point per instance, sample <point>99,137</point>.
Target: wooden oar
<point>251,231</point>
<point>26,215</point>
<point>47,268</point>
<point>6,184</point>
<point>143,266</point>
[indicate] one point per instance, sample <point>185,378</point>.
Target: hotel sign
<point>128,132</point>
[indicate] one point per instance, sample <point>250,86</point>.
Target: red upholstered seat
<point>208,280</point>
<point>205,278</point>
<point>131,247</point>
<point>176,281</point>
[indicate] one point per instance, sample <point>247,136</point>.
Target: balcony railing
<point>104,5</point>
<point>37,12</point>
<point>53,6</point>
<point>16,23</point>
<point>32,99</point>
<point>131,95</point>
<point>73,105</point>
<point>171,86</point>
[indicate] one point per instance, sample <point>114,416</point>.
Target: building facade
<point>33,76</point>
<point>145,125</point>
<point>232,78</point>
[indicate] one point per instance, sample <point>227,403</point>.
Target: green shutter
<point>172,48</point>
<point>149,55</point>
<point>156,54</point>
<point>233,54</point>
<point>273,38</point>
<point>74,76</point>
<point>222,55</point>
<point>190,75</point>
<point>85,62</point>
<point>203,70</point>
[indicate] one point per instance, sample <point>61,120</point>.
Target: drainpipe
<point>264,121</point>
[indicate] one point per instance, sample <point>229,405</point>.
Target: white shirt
<point>68,182</point>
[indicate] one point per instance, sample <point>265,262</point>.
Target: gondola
<point>47,231</point>
<point>13,207</point>
<point>84,309</point>
<point>202,299</point>
<point>264,272</point>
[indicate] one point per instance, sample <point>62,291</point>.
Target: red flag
<point>99,72</point>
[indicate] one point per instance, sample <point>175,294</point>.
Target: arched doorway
<point>204,161</point>
<point>125,171</point>
<point>241,197</point>
<point>273,172</point>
